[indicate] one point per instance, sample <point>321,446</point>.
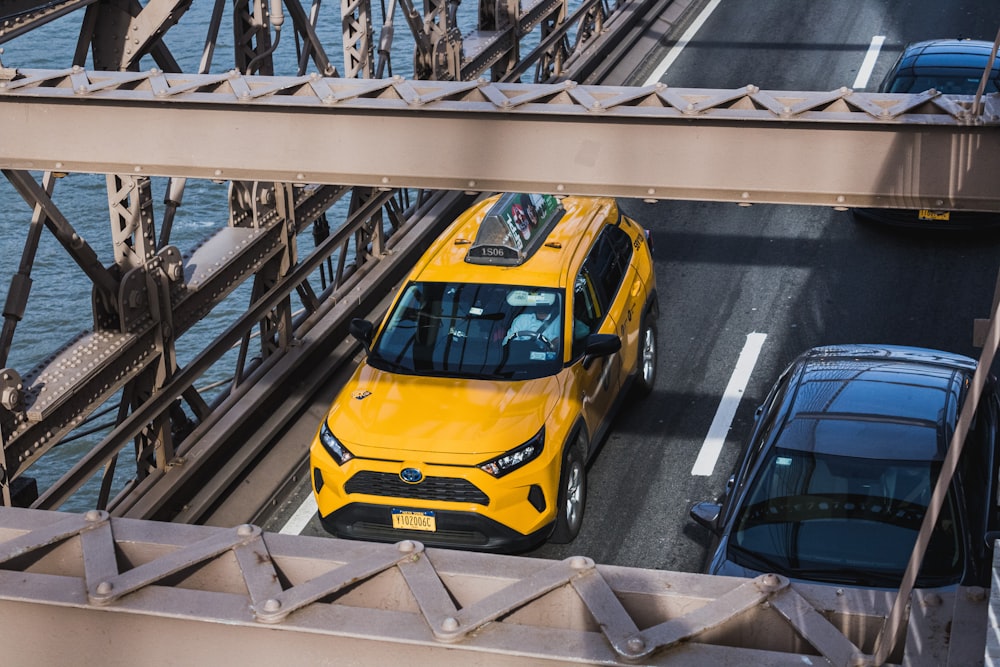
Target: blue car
<point>835,479</point>
<point>952,67</point>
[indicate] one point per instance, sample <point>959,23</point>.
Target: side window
<point>622,244</point>
<point>763,427</point>
<point>608,261</point>
<point>598,282</point>
<point>587,310</point>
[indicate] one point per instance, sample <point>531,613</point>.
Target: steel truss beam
<point>839,148</point>
<point>104,582</point>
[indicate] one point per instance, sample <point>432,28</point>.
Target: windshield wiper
<point>849,576</point>
<point>381,363</point>
<point>836,574</point>
<point>756,561</point>
<point>506,375</point>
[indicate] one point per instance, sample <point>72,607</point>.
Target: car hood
<point>388,415</point>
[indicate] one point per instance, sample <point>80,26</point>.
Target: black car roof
<point>945,58</point>
<point>879,402</point>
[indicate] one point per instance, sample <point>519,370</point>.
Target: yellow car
<point>493,379</point>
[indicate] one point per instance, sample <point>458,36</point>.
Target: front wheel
<point>647,358</point>
<point>572,496</point>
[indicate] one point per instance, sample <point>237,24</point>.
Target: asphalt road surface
<point>760,284</point>
<point>798,276</point>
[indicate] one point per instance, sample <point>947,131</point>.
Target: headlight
<point>516,457</point>
<point>339,453</point>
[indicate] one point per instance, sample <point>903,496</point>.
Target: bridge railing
<point>80,588</point>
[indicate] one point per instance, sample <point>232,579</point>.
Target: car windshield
<point>957,84</point>
<point>844,519</point>
<point>500,332</point>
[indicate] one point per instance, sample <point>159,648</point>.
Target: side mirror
<point>990,537</point>
<point>363,330</point>
<point>707,514</point>
<point>600,345</point>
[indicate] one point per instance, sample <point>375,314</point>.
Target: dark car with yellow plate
<point>493,379</point>
<point>950,67</point>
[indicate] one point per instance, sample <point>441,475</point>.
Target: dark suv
<point>835,480</point>
<point>951,67</point>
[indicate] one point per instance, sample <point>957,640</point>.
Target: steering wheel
<point>543,342</point>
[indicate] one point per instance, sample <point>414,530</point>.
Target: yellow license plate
<point>926,214</point>
<point>413,520</point>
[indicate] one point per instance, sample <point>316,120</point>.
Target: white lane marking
<point>300,519</point>
<point>868,64</point>
<point>716,438</point>
<point>688,35</point>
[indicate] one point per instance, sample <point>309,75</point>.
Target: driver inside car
<point>542,322</point>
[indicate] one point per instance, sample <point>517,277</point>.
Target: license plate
<point>926,214</point>
<point>414,520</point>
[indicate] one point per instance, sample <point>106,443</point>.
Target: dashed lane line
<point>868,64</point>
<point>704,465</point>
<point>685,39</point>
<point>301,517</point>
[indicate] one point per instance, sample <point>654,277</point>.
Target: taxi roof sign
<point>514,228</point>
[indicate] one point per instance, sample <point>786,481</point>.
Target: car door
<point>977,483</point>
<point>596,309</point>
<point>628,297</point>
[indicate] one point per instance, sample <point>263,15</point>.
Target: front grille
<point>449,489</point>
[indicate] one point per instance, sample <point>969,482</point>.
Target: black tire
<point>645,378</point>
<point>572,496</point>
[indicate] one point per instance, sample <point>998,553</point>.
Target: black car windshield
<point>827,517</point>
<point>499,332</point>
<point>955,84</point>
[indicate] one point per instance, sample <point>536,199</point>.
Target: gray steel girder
<point>837,148</point>
<point>265,597</point>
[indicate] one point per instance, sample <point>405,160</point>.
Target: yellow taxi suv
<point>493,379</point>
